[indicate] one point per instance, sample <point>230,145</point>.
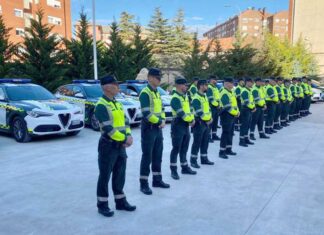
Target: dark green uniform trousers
<point>257,120</point>
<point>245,120</point>
<point>180,136</point>
<point>215,116</point>
<point>298,107</point>
<point>271,109</point>
<point>292,109</point>
<point>111,160</point>
<point>200,140</point>
<point>152,149</point>
<point>309,98</point>
<point>304,106</point>
<point>237,122</point>
<point>284,112</point>
<point>227,123</point>
<point>277,115</point>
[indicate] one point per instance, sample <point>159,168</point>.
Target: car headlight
<point>36,114</point>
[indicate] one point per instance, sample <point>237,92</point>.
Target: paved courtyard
<point>274,187</point>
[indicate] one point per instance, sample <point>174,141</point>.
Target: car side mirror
<point>79,95</point>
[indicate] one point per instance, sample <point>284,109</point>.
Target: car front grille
<point>64,118</point>
<point>131,112</point>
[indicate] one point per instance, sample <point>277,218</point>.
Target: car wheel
<point>72,133</point>
<point>94,123</point>
<point>20,130</point>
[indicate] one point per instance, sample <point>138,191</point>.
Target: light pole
<point>94,40</point>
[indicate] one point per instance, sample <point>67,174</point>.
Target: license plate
<point>76,122</point>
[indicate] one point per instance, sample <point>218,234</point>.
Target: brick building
<point>252,24</point>
<point>17,15</point>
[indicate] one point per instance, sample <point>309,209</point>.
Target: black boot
<point>248,141</point>
<point>222,155</point>
<point>242,143</point>
<point>105,211</point>
<point>186,170</point>
<point>174,174</point>
<point>215,137</point>
<point>252,136</point>
<point>145,188</point>
<point>193,163</point>
<point>264,136</point>
<point>211,140</point>
<point>160,184</point>
<point>230,152</point>
<point>272,131</point>
<point>122,204</point>
<point>205,161</point>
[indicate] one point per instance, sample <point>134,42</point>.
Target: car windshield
<point>31,92</point>
<point>161,91</point>
<point>93,91</point>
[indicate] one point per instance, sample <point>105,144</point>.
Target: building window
<point>36,1</point>
<point>256,35</point>
<point>18,13</point>
<point>277,35</point>
<point>256,27</point>
<point>0,9</point>
<point>20,31</point>
<point>54,3</point>
<point>277,20</point>
<point>244,27</point>
<point>54,20</point>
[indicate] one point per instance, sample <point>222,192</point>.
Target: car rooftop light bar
<point>86,81</point>
<point>15,80</point>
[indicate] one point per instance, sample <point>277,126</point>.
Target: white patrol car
<point>27,110</point>
<point>86,93</point>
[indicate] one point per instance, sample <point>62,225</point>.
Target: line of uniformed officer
<point>254,99</point>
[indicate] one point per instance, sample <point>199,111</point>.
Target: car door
<point>3,112</point>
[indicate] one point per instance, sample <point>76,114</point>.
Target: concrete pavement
<point>274,187</point>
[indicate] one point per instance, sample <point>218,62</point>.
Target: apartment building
<point>18,13</point>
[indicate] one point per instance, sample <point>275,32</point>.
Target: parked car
<point>317,96</point>
<point>133,89</point>
<point>28,110</point>
<point>86,93</point>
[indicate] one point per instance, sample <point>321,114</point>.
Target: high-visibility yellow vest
<point>156,107</point>
<point>204,106</point>
<point>260,101</point>
<point>274,97</point>
<point>216,95</point>
<point>117,119</point>
<point>283,96</point>
<point>189,117</point>
<point>251,104</point>
<point>232,105</point>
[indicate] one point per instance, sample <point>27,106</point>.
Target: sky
<point>200,15</point>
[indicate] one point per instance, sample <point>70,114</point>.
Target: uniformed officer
<point>182,119</point>
<point>247,108</point>
<point>193,88</point>
<point>289,99</point>
<point>300,94</point>
<point>284,104</point>
<point>260,104</point>
<point>293,90</point>
<point>228,114</point>
<point>153,122</point>
<point>214,103</point>
<point>238,91</point>
<point>277,115</point>
<point>305,100</point>
<point>203,119</point>
<point>271,100</point>
<point>311,93</point>
<point>115,137</point>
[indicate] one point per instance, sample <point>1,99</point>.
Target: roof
<point>226,44</point>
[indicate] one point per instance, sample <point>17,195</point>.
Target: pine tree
<point>160,33</point>
<point>181,40</point>
<point>42,54</point>
<point>117,58</point>
<point>126,26</point>
<point>194,63</point>
<point>217,64</point>
<point>142,56</point>
<point>7,50</point>
<point>80,51</point>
